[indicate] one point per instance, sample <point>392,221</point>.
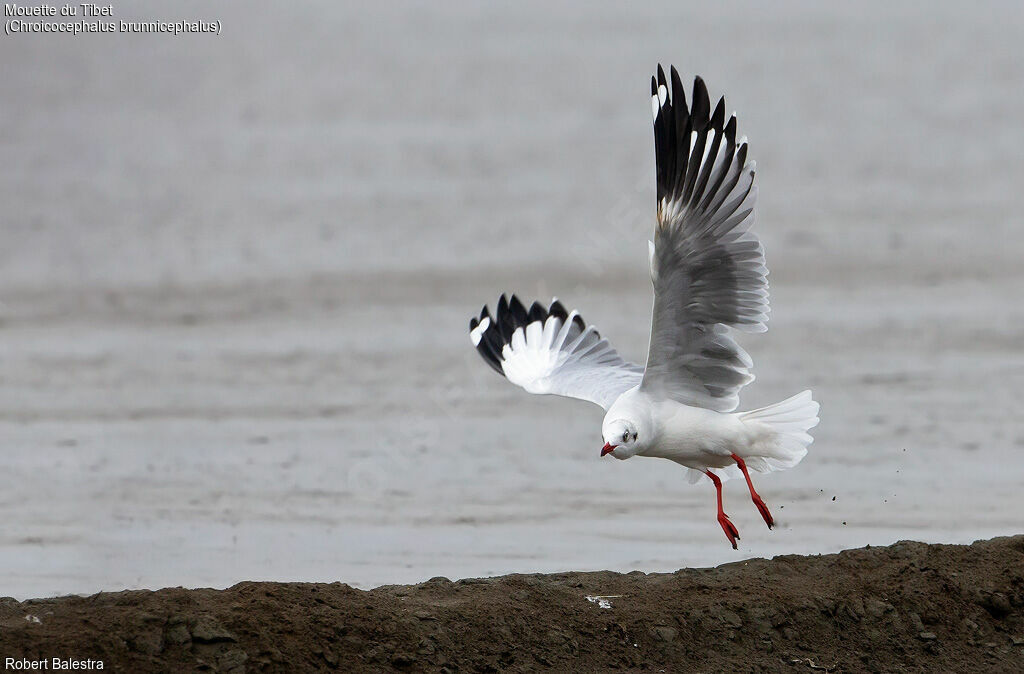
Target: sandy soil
<point>906,607</point>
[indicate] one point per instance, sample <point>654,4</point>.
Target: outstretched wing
<point>552,351</point>
<point>708,269</point>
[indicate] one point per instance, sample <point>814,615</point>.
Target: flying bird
<point>709,278</point>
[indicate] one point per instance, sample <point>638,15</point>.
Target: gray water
<point>237,270</point>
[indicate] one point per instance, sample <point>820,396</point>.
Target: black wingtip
<point>537,313</point>
<point>730,130</point>
<point>678,94</point>
<point>519,311</point>
<point>718,118</point>
<point>741,154</point>
<point>683,138</point>
<point>487,343</point>
<point>701,104</point>
<point>511,315</point>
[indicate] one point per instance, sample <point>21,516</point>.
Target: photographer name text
<point>51,664</point>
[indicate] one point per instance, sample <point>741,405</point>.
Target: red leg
<point>761,507</point>
<point>727,526</point>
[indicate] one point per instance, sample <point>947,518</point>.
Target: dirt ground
<point>906,607</point>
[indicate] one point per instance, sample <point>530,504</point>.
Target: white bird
<point>709,273</point>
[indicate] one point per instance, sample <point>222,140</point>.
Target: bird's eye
<point>634,437</point>
<point>625,436</point>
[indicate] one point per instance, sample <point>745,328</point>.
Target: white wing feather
<point>552,351</point>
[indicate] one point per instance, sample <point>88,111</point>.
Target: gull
<point>709,278</point>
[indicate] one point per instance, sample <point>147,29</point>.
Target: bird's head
<point>621,438</point>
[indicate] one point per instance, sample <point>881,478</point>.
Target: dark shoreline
<point>905,607</point>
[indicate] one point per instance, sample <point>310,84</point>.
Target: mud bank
<point>906,607</point>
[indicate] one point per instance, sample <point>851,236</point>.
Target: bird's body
<point>696,437</point>
<point>709,278</point>
<point>690,436</point>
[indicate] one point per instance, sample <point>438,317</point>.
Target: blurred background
<point>237,272</point>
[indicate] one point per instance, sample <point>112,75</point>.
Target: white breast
<point>694,435</point>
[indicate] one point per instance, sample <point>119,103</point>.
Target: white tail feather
<point>786,442</point>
